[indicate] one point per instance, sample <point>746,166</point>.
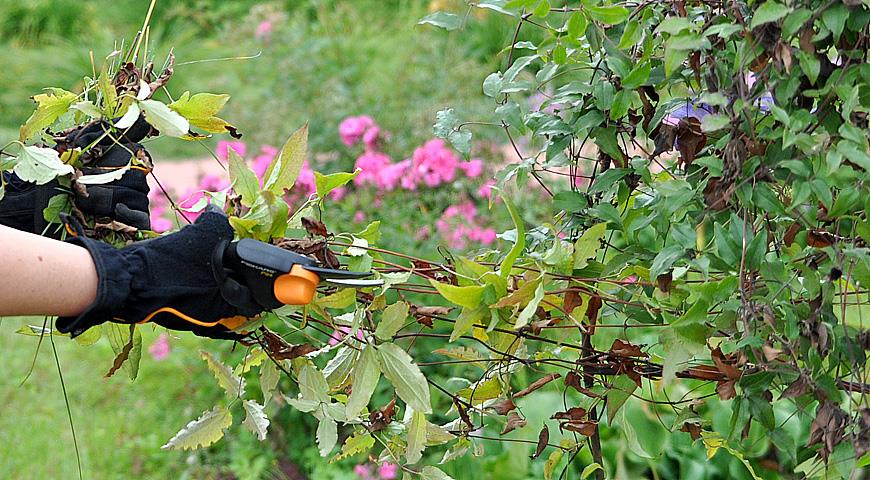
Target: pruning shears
<point>273,276</point>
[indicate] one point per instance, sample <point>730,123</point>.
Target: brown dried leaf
<point>592,312</point>
<point>726,390</point>
<point>381,418</point>
<point>514,421</point>
<point>571,300</point>
<point>626,349</point>
<point>693,429</point>
<point>828,428</point>
<point>792,232</point>
<point>279,349</point>
<point>537,384</point>
<point>690,140</point>
<point>797,388</point>
<point>502,407</point>
<point>725,364</point>
<point>314,227</point>
<point>543,439</point>
<point>584,428</point>
<point>573,414</point>
<point>770,353</point>
<point>463,413</point>
<point>664,282</point>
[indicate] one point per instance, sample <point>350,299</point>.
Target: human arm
<point>42,276</point>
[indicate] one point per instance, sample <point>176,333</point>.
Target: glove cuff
<point>115,273</point>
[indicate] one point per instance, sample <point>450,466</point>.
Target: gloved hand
<point>126,199</point>
<point>167,280</point>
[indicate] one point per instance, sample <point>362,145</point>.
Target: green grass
<point>120,425</point>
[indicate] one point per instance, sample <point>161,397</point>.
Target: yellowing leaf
<point>201,111</point>
<point>392,320</point>
<point>357,443</point>
<point>482,391</point>
<point>233,386</point>
<point>466,320</point>
<point>409,381</point>
<point>50,106</point>
<point>285,168</point>
<point>365,376</point>
<point>327,183</point>
<point>202,432</point>
<point>242,178</point>
<point>526,315</point>
<point>469,296</point>
<point>255,419</point>
<point>340,299</point>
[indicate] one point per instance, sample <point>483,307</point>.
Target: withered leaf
<point>693,429</point>
<point>828,428</point>
<point>314,227</point>
<point>797,388</point>
<point>537,384</point>
<point>502,407</point>
<point>726,364</point>
<point>664,282</point>
<point>543,439</point>
<point>584,428</point>
<point>572,414</point>
<point>279,349</point>
<point>463,413</point>
<point>514,421</point>
<point>381,418</point>
<point>690,140</point>
<point>626,349</point>
<point>792,232</point>
<point>726,390</point>
<point>571,300</point>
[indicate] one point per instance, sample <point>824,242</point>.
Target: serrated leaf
<point>256,420</point>
<point>201,111</point>
<point>416,439</point>
<point>357,443</point>
<point>405,376</point>
<point>468,296</point>
<point>327,183</point>
<point>434,473</point>
<point>269,376</point>
<point>327,435</point>
<point>49,107</point>
<point>312,385</point>
<point>167,121</point>
<point>233,386</point>
<point>392,320</point>
<point>284,169</point>
<point>365,376</point>
<point>40,165</point>
<point>202,432</point>
<point>304,406</point>
<point>242,178</point>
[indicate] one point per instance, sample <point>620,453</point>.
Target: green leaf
<point>416,437</point>
<point>40,165</point>
<point>768,12</point>
<point>327,183</point>
<point>339,367</point>
<point>434,473</point>
<point>392,320</point>
<point>357,443</point>
<point>49,107</point>
<point>519,245</point>
<point>630,35</point>
<point>810,65</point>
<point>242,178</point>
<point>256,420</point>
<point>202,432</point>
<point>56,205</point>
<point>590,469</point>
<point>529,311</point>
<point>469,296</point>
<point>409,381</point>
<point>714,122</point>
<point>665,260</point>
<point>284,170</point>
<point>119,337</point>
<point>447,21</point>
<point>312,385</point>
<point>605,138</point>
<point>269,376</point>
<point>835,19</point>
<point>588,244</point>
<point>90,337</point>
<point>364,376</point>
<point>611,15</point>
<point>638,76</point>
<point>577,23</point>
<point>327,435</point>
<point>466,320</point>
<point>542,10</point>
<point>201,111</point>
<point>167,121</point>
<point>338,300</point>
<point>620,105</point>
<point>233,386</point>
<point>623,387</point>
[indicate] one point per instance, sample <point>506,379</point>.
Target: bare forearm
<point>44,276</point>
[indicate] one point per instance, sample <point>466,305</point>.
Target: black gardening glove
<point>167,280</point>
<point>125,199</point>
<point>23,203</point>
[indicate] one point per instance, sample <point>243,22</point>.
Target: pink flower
<point>388,471</point>
<point>339,333</point>
<point>363,471</point>
<point>160,349</point>
<point>371,136</point>
<point>359,217</point>
<point>434,163</point>
<point>263,29</point>
<point>372,165</point>
<point>160,224</point>
<point>354,129</point>
<point>485,236</point>
<point>485,190</point>
<point>223,147</point>
<point>472,168</point>
<point>338,193</point>
<point>459,225</point>
<point>263,160</point>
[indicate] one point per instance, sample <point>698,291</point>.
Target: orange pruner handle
<point>296,287</point>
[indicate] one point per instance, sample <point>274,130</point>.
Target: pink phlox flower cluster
<point>485,190</point>
<point>459,225</point>
<point>377,170</point>
<point>386,471</point>
<point>264,29</point>
<point>158,206</point>
<point>263,160</point>
<point>159,350</point>
<point>223,146</point>
<point>434,163</point>
<point>362,128</point>
<point>472,168</point>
